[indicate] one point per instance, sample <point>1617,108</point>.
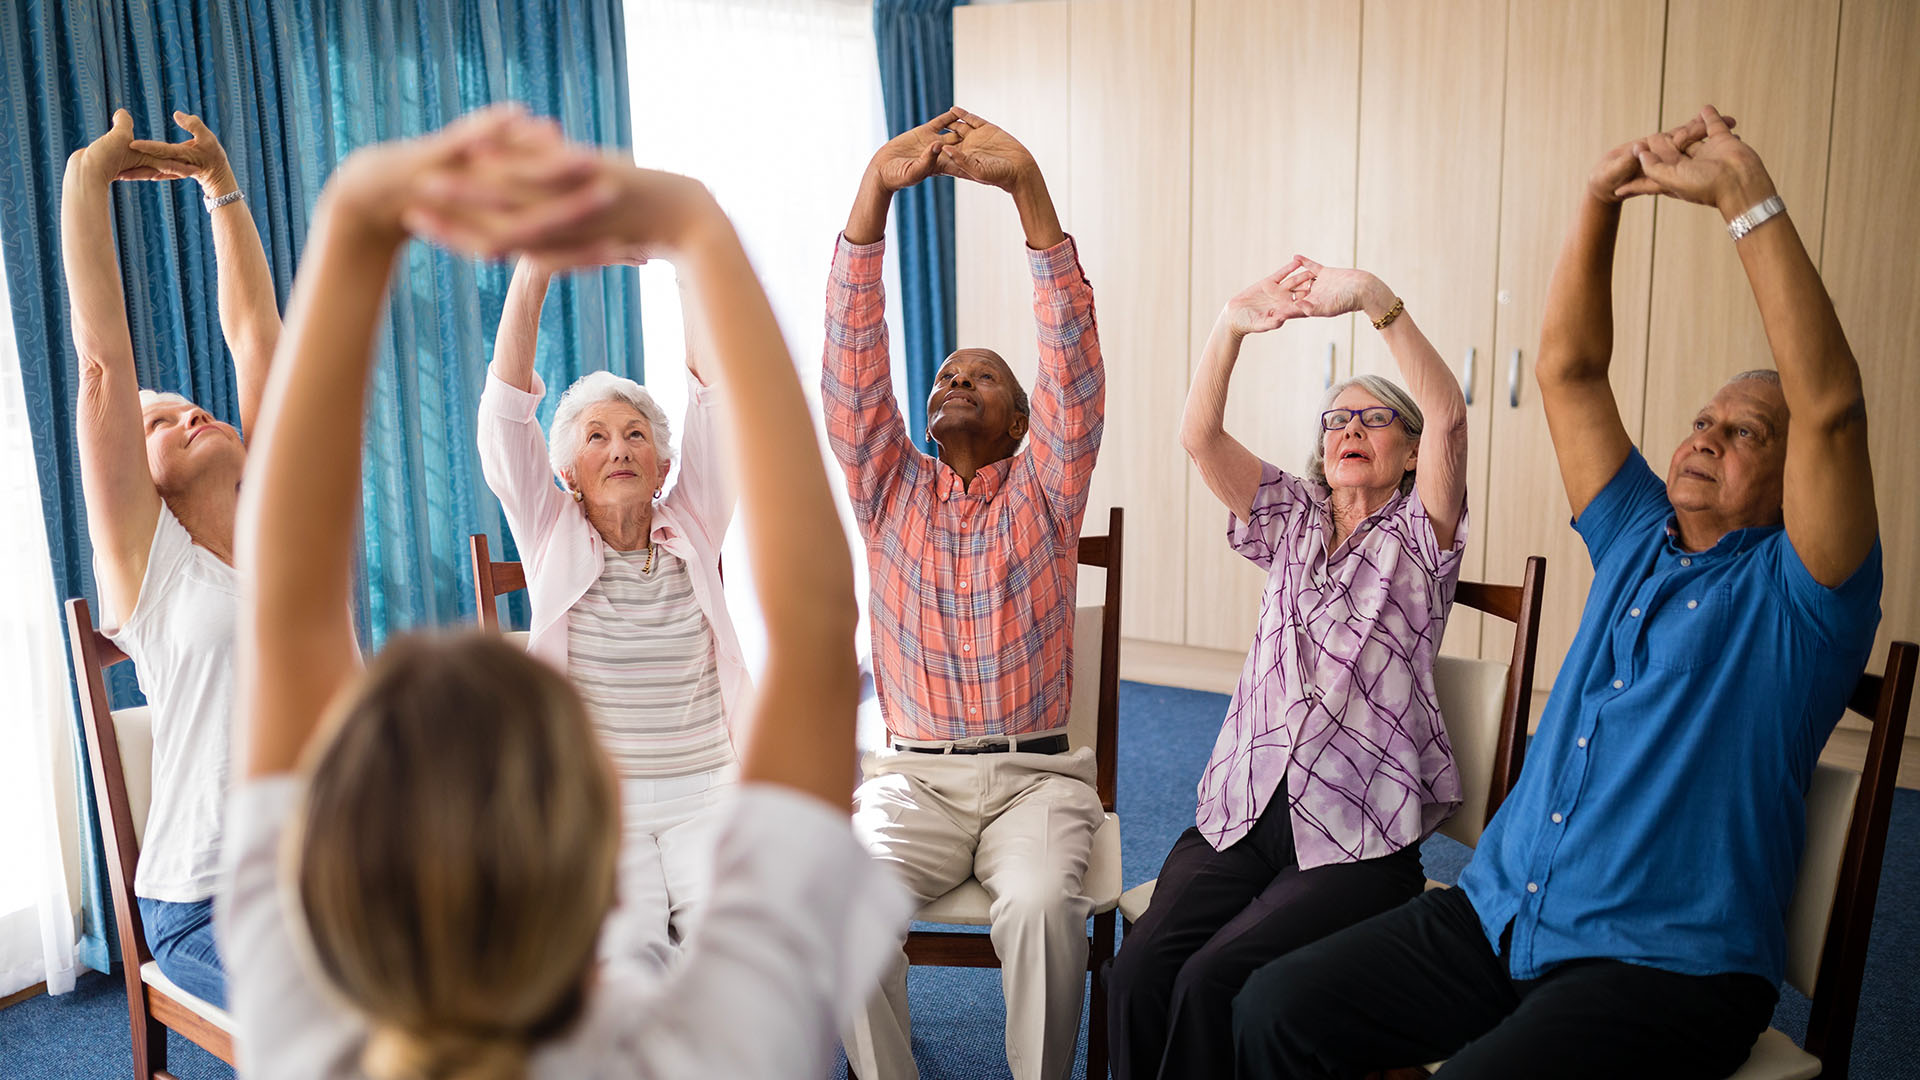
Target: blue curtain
<point>915,42</point>
<point>400,69</point>
<point>292,87</point>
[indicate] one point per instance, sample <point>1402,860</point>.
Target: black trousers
<point>1420,983</point>
<point>1216,916</point>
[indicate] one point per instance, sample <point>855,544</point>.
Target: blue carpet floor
<point>959,1015</point>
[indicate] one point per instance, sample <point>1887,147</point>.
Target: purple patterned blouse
<point>1337,693</point>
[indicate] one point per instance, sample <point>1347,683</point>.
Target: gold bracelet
<point>1392,314</point>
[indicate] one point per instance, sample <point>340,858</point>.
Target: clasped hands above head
<point>501,182</point>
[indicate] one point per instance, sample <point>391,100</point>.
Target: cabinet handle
<point>1328,385</point>
<point>1467,382</point>
<point>1513,380</point>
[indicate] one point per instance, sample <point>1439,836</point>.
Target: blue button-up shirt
<point>1660,816</point>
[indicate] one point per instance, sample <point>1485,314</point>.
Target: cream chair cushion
<point>133,729</point>
<point>1829,815</point>
<point>517,637</point>
<point>1471,694</point>
<point>1135,901</point>
<point>151,974</point>
<point>968,904</point>
<point>1083,712</point>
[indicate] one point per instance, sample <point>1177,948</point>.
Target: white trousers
<point>668,829</point>
<point>1021,823</point>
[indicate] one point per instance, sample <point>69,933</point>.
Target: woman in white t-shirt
<point>161,478</point>
<point>424,853</point>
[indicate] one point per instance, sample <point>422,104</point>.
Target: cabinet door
<point>1130,68</point>
<point>1770,65</point>
<point>1274,117</point>
<point>1009,66</point>
<point>1429,207</point>
<point>1867,259</point>
<point>1582,76</point>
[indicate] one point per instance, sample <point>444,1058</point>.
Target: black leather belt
<point>1052,744</point>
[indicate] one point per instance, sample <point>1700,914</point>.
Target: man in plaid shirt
<point>972,557</point>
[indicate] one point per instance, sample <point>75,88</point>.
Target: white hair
<point>566,439</point>
<point>1386,392</point>
<point>150,398</point>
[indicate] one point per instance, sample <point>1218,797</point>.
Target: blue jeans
<point>180,936</point>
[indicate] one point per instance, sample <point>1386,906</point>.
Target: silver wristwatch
<point>213,203</point>
<point>1751,220</point>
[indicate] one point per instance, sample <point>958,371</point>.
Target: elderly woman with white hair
<point>1332,765</point>
<point>623,572</point>
<point>161,479</point>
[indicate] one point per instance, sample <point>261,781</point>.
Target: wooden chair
<point>1486,705</point>
<point>1833,901</point>
<point>1093,720</point>
<point>120,745</point>
<point>490,579</point>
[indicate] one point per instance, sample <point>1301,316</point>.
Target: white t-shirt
<point>799,925</point>
<point>180,639</point>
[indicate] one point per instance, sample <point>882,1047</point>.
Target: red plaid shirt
<point>972,587</point>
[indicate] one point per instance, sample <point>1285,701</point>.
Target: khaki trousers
<point>1021,823</point>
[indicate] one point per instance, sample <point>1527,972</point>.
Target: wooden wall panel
<point>1429,208</point>
<point>1010,67</point>
<point>1870,235</point>
<point>1130,70</point>
<point>1770,65</point>
<point>1557,129</point>
<point>1268,181</point>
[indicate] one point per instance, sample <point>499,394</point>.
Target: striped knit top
<point>641,654</point>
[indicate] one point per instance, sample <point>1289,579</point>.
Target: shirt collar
<point>1733,543</point>
<point>986,481</point>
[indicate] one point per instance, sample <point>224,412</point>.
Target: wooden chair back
<point>1487,704</point>
<point>1839,884</point>
<point>490,579</point>
<point>1093,718</point>
<point>121,763</point>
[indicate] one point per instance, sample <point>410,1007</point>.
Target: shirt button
<point>1533,886</point>
<point>1617,684</point>
<point>966,648</point>
<point>1557,819</point>
<point>1686,562</point>
<point>971,709</point>
<point>1691,604</point>
<point>963,584</point>
<point>1581,743</point>
<point>1635,613</point>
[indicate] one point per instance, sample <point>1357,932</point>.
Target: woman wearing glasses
<point>1332,765</point>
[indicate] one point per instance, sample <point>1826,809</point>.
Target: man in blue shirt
<point>1625,914</point>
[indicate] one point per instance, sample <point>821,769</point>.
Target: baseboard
<point>19,996</point>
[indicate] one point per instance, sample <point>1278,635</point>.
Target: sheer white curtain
<point>37,930</point>
<point>775,106</point>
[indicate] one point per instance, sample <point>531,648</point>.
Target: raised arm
<point>249,311</point>
<point>1231,471</point>
<point>1441,472</point>
<point>122,504</point>
<point>1828,500</point>
<point>864,425</point>
<point>301,496</point>
<point>986,154</point>
<point>515,344</point>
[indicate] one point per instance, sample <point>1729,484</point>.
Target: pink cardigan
<point>562,551</point>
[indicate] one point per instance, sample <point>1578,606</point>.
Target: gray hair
<point>565,440</point>
<point>1765,375</point>
<point>1388,393</point>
